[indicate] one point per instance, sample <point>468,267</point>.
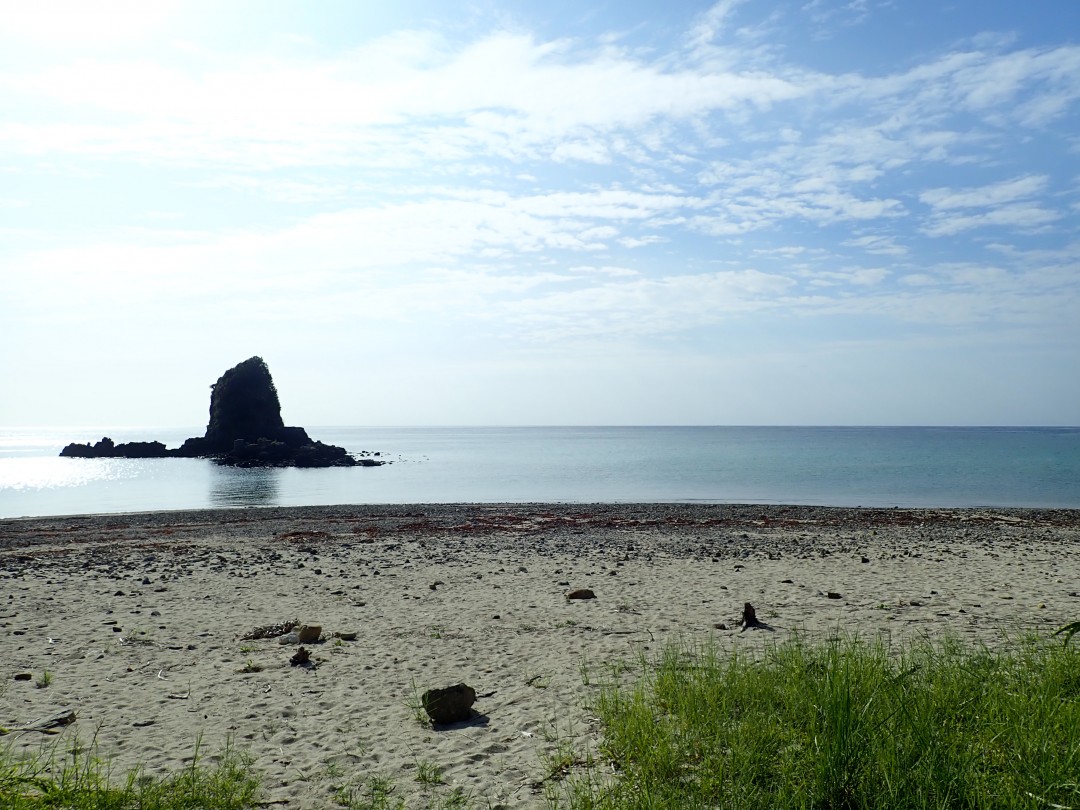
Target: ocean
<point>831,466</point>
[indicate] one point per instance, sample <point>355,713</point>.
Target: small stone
<point>118,593</point>
<point>834,595</point>
<point>289,638</point>
<point>309,633</point>
<point>450,705</point>
<point>117,629</point>
<point>720,626</point>
<point>581,593</point>
<point>866,559</point>
<point>23,676</point>
<point>346,636</point>
<point>146,580</point>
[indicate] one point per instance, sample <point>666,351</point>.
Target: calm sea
<point>917,466</point>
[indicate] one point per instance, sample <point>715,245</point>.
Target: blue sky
<point>747,212</point>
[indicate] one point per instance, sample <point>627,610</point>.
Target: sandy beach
<point>139,622</point>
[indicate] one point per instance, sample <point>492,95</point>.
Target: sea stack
<point>243,405</point>
<point>245,430</point>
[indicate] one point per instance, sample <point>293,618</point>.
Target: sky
<point>749,212</point>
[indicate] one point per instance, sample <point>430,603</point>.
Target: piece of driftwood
<point>270,630</point>
<point>750,620</point>
<point>49,724</point>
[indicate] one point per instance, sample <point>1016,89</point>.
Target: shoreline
<point>443,593</point>
<point>642,512</point>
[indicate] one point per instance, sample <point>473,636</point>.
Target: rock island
<point>245,430</point>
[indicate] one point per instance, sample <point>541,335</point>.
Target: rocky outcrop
<point>107,448</point>
<point>245,430</point>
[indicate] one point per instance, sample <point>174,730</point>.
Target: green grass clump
<point>842,724</point>
<point>81,781</point>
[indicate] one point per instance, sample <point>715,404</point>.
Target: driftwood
<point>750,620</point>
<point>46,725</point>
<point>270,630</point>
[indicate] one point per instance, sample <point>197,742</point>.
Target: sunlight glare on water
<point>58,473</point>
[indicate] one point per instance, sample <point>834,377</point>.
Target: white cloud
<point>641,241</point>
<point>647,306</point>
<point>1006,203</point>
<point>586,152</point>
<point>410,94</point>
<point>712,23</point>
<point>1006,191</point>
<point>81,23</point>
<point>919,280</point>
<point>612,272</point>
<point>858,277</point>
<point>882,245</point>
<point>974,275</point>
<point>1017,216</point>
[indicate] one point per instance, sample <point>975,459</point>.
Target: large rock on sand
<point>450,705</point>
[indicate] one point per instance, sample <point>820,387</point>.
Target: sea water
<point>836,466</point>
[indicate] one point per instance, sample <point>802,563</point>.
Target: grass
<point>377,792</point>
<point>374,793</point>
<point>428,773</point>
<point>415,704</point>
<point>81,781</point>
<point>838,725</point>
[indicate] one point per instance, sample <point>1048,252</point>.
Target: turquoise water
<point>916,466</point>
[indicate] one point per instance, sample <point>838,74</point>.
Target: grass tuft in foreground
<point>842,724</point>
<point>81,781</point>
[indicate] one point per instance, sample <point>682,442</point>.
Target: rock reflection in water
<point>238,486</point>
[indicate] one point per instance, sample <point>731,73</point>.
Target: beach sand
<point>138,621</point>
